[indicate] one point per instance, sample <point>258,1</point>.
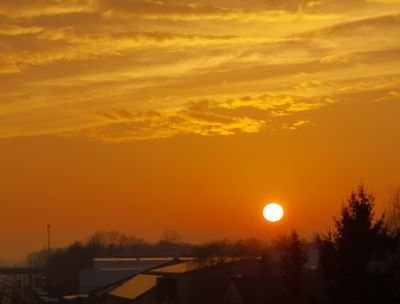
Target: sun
<point>273,212</point>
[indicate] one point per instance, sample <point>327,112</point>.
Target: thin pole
<point>48,242</point>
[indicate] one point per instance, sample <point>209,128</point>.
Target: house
<point>109,270</point>
<point>181,281</point>
<point>160,284</point>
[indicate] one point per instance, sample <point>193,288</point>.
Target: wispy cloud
<point>254,64</point>
<point>194,120</point>
<point>205,118</point>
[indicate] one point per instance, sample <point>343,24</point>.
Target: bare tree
<point>172,236</point>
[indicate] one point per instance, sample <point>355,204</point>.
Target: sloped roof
<point>177,268</point>
<point>109,288</point>
<point>136,286</point>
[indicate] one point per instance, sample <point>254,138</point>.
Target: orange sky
<point>143,116</point>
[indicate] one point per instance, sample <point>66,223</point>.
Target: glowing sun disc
<point>273,212</point>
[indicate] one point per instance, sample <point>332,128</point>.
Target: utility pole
<point>48,242</point>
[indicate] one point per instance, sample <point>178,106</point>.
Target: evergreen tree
<point>352,256</point>
<point>293,260</point>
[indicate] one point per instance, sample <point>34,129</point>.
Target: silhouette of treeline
<point>115,244</point>
<point>358,258</point>
<point>64,264</point>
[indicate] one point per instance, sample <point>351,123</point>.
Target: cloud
<point>334,58</point>
<point>36,10</point>
<point>30,8</point>
<point>297,124</point>
<point>386,83</point>
<point>152,69</point>
<point>15,30</point>
<point>308,84</point>
<point>196,119</point>
<point>277,105</point>
<point>202,118</point>
<point>35,46</point>
<point>384,1</point>
<point>388,23</point>
<point>367,29</point>
<point>144,8</point>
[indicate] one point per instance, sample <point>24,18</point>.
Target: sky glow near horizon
<point>126,88</point>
